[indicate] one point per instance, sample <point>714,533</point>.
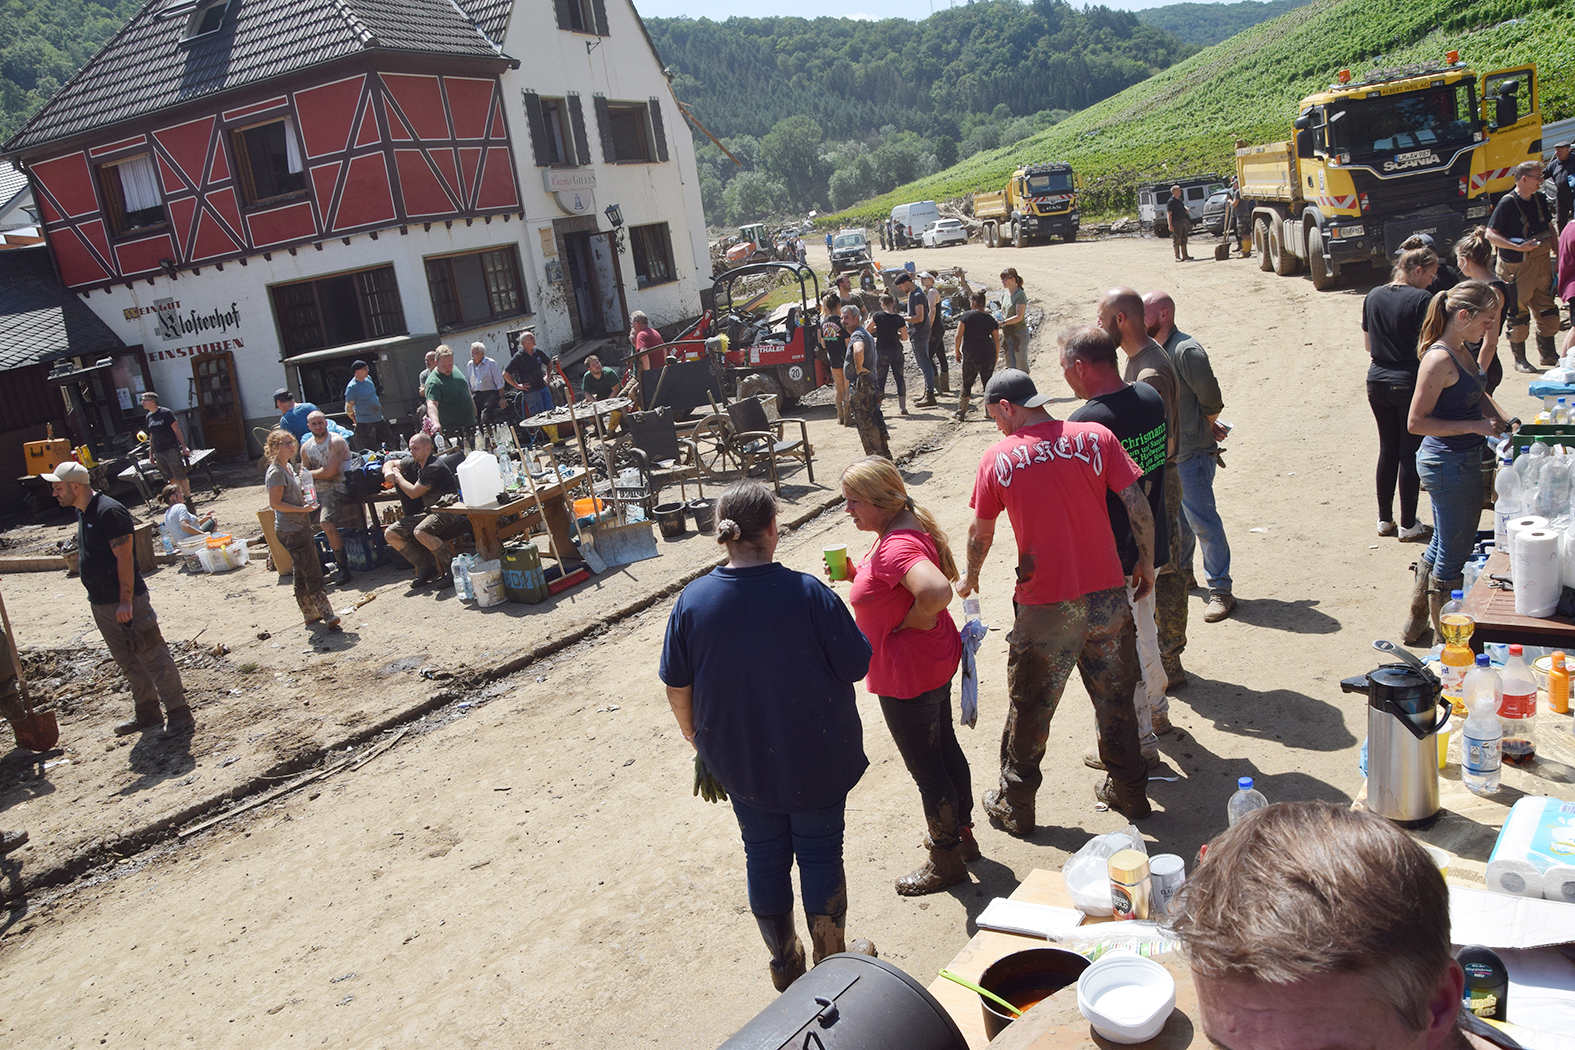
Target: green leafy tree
<point>752,196</point>
<point>945,149</point>
<point>851,183</point>
<point>790,153</point>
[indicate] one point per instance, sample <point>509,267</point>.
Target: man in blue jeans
<point>1200,403</point>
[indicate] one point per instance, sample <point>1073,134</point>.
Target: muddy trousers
<point>773,841</point>
<point>864,403</point>
<point>1095,634</point>
<point>939,358</point>
<point>927,740</point>
<point>1170,586</point>
<point>310,596</point>
<point>1533,280</point>
<point>143,656</point>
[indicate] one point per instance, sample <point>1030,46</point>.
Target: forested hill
<point>1205,24</point>
<point>43,42</point>
<point>853,77</point>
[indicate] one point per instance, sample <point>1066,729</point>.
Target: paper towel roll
<point>1536,565</point>
<point>1522,524</point>
<point>1558,883</point>
<point>1518,877</point>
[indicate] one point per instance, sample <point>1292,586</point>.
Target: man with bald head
<point>1197,455</point>
<point>421,480</point>
<point>325,454</point>
<point>1121,316</point>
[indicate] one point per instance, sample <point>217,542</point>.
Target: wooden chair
<point>756,438</point>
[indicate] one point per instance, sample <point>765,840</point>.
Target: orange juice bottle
<point>1559,685</point>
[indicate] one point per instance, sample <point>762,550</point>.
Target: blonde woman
<point>292,523</point>
<point>1454,415</point>
<point>899,596</point>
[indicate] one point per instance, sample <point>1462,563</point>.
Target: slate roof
<point>12,182</point>
<point>41,319</point>
<point>148,66</point>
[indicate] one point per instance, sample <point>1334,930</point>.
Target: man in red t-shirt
<point>1071,599</point>
<point>643,337</point>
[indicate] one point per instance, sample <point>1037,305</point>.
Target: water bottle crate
<point>1547,433</point>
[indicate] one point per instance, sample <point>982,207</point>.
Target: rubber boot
<point>943,381</point>
<point>787,953</point>
<point>826,937</point>
<point>325,611</point>
<point>341,568</point>
<point>421,558</point>
<point>1519,350</point>
<point>1437,596</point>
<point>945,867</point>
<point>962,407</point>
<point>1416,623</point>
<point>443,557</point>
<point>968,844</point>
<point>1547,351</point>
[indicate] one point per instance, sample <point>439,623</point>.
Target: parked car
<point>849,251</point>
<point>1214,212</point>
<point>944,231</point>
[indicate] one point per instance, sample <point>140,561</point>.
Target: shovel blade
<point>1222,251</point>
<point>38,731</point>
<point>623,544</point>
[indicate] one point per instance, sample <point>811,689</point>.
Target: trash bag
<point>1087,872</point>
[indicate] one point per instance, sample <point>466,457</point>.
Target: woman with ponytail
<point>1391,318</point>
<point>899,596</point>
<point>1453,413</point>
<point>759,664</point>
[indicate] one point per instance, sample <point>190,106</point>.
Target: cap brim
<point>1033,402</point>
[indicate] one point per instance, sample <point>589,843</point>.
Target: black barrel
<point>852,1002</point>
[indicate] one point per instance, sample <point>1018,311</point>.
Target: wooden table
<point>140,472</point>
<point>1497,620</point>
<point>489,527</point>
<point>1055,1023</point>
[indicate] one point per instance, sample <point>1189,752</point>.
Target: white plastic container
<point>223,559</point>
<point>486,580</point>
<point>1126,997</point>
<point>480,480</point>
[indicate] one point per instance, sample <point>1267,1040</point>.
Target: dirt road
<point>532,869</point>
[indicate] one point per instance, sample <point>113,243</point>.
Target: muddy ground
<point>526,865</point>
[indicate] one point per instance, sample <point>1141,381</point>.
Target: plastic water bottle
<point>460,568</point>
<point>1517,712</point>
<point>1481,743</point>
<point>1244,801</point>
<point>1456,625</point>
<point>1508,504</point>
<point>308,489</point>
<point>1561,411</point>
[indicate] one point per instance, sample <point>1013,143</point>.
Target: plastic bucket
<point>584,508</point>
<point>488,587</point>
<point>704,511</point>
<point>670,519</point>
<point>1023,978</point>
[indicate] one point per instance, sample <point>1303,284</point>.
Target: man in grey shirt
<point>1198,457</point>
<point>1121,316</point>
<point>486,385</point>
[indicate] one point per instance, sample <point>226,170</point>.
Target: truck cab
<point>1373,162</point>
<point>1044,202</point>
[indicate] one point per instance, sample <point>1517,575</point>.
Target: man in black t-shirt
<point>166,444</point>
<point>1521,228</point>
<point>889,327</point>
<point>977,346</point>
<point>421,481</point>
<point>121,609</point>
<point>1135,413</point>
<point>1180,222</point>
<point>1561,172</point>
<point>527,372</point>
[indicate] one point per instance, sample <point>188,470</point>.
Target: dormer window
<point>202,16</point>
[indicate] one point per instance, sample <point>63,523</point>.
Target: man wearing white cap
<point>119,600</point>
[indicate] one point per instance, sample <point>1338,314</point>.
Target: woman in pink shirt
<point>899,597</point>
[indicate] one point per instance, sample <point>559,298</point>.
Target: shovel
<point>34,730</point>
<point>625,542</point>
<point>1222,249</point>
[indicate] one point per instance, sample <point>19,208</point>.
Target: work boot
<point>787,952</point>
<point>826,937</point>
<point>10,840</point>
<point>1133,809</point>
<point>962,410</point>
<point>1175,676</point>
<point>927,401</point>
<point>325,613</point>
<point>181,723</point>
<point>945,867</point>
<point>1437,596</point>
<point>138,724</point>
<point>1519,350</point>
<point>1547,351</point>
<point>1221,604</point>
<point>1414,630</point>
<point>968,844</point>
<point>426,569</point>
<point>943,382</point>
<point>1013,820</point>
<point>1092,760</point>
<point>341,568</point>
<point>444,557</point>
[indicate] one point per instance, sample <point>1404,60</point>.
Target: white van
<point>909,220</point>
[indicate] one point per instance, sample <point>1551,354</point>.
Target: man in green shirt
<point>599,383</point>
<point>449,404</point>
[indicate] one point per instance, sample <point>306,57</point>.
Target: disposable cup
<point>1440,858</point>
<point>837,560</point>
<point>1443,741</point>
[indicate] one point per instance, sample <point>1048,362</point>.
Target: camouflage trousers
<point>1170,589</point>
<point>864,403</point>
<point>1095,633</point>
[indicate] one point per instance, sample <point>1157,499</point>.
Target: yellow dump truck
<point>1421,149</point>
<point>1039,202</point>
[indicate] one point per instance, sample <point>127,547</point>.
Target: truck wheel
<point>1260,244</point>
<point>987,235</point>
<point>1284,259</point>
<point>1019,239</point>
<point>1325,271</point>
<point>1070,235</point>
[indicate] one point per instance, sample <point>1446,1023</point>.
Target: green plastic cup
<point>837,560</point>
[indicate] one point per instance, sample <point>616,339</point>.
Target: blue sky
<point>720,10</point>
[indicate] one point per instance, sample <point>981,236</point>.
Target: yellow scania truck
<point>1421,149</point>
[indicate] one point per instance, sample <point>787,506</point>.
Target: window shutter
<point>538,128</point>
<point>582,141</point>
<point>604,125</point>
<point>599,7</point>
<point>658,130</point>
<point>562,7</point>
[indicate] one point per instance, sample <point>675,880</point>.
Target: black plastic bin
<point>852,1002</point>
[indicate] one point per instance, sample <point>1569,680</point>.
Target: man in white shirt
<point>486,386</point>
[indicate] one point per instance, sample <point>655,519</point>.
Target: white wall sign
<point>576,202</point>
<point>557,180</point>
